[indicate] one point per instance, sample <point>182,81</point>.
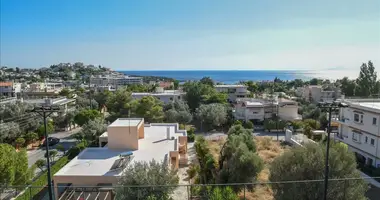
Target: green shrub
<point>74,151</point>
<point>191,135</point>
<point>248,125</point>
<point>182,127</point>
<point>41,181</point>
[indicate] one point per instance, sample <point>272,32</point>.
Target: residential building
<point>9,89</point>
<point>261,109</point>
<point>125,142</point>
<point>64,103</point>
<point>359,128</point>
<point>233,91</point>
<point>45,87</point>
<point>114,80</point>
<point>316,93</point>
<point>166,96</point>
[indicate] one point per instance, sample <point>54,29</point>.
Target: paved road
<point>281,135</point>
<point>66,141</point>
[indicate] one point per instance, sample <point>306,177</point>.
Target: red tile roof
<point>5,83</point>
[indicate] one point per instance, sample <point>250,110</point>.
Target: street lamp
<point>330,107</point>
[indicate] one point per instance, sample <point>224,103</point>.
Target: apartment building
<point>127,140</point>
<point>115,80</point>
<point>261,109</point>
<point>359,128</point>
<point>316,93</point>
<point>234,91</point>
<point>166,96</point>
<point>9,89</point>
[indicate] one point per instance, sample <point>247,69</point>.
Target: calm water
<point>226,76</point>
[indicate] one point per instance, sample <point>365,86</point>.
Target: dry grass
<point>268,150</point>
<point>215,147</point>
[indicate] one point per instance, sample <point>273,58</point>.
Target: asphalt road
<point>65,140</point>
<point>281,135</point>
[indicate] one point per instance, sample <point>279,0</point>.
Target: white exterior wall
<point>165,98</point>
<point>365,129</point>
<point>233,92</point>
<point>288,112</point>
<point>258,113</point>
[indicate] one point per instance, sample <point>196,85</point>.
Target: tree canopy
<point>308,163</point>
<point>13,167</point>
<point>86,115</point>
<point>148,107</point>
<point>147,173</point>
<point>178,111</point>
<point>212,115</point>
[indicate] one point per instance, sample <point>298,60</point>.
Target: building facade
<point>260,109</point>
<point>359,128</point>
<point>316,93</point>
<point>166,96</point>
<point>234,91</point>
<point>9,89</point>
<point>115,81</point>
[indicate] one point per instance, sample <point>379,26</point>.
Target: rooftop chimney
<point>168,133</point>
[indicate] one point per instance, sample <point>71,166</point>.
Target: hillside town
<point>75,131</point>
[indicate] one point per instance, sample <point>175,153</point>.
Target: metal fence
<point>339,189</point>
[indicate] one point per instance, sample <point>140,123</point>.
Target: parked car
<point>52,141</point>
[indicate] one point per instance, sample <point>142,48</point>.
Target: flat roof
<point>98,161</point>
<point>126,122</point>
<point>373,105</point>
<point>231,86</point>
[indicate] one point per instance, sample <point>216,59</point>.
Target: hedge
<point>41,181</point>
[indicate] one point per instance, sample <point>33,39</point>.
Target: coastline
<point>234,76</point>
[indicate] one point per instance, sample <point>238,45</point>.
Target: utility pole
<point>330,107</point>
<point>89,90</point>
<point>45,111</point>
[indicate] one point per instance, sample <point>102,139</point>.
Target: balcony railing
<point>189,192</point>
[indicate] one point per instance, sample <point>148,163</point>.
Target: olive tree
<point>239,162</point>
<point>147,173</point>
<point>308,163</point>
<point>212,115</point>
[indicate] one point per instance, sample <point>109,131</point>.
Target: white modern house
<point>359,128</point>
<point>166,96</point>
<point>260,109</point>
<point>234,91</point>
<point>126,141</point>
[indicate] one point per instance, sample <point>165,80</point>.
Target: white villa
<point>127,140</point>
<point>359,128</point>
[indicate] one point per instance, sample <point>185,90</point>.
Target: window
<point>356,137</point>
<point>358,118</point>
<point>374,121</point>
<point>366,139</point>
<point>171,98</point>
<point>372,141</point>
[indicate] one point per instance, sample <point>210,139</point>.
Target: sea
<point>226,76</point>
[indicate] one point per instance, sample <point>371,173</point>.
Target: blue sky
<point>196,34</point>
